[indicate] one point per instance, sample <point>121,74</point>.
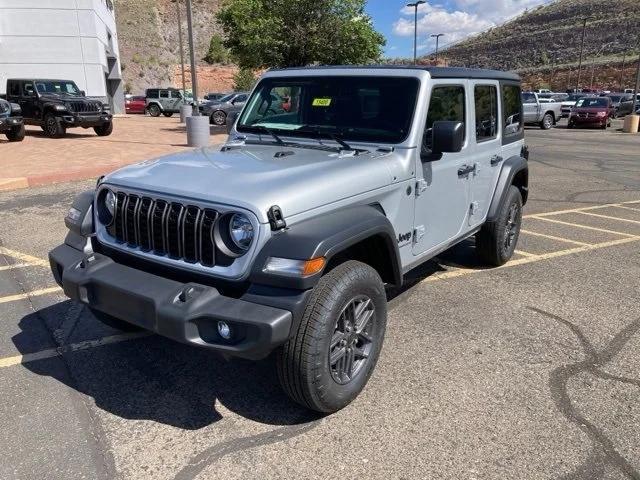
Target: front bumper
<point>8,123</point>
<point>87,121</point>
<point>588,121</point>
<point>188,313</point>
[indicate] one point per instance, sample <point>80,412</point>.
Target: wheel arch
<point>158,104</point>
<point>361,233</point>
<point>515,171</point>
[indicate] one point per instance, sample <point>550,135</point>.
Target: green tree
<point>244,80</point>
<point>217,52</point>
<point>290,33</point>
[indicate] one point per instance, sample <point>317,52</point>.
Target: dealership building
<point>62,39</point>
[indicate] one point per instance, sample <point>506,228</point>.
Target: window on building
<point>447,103</point>
<point>486,101</point>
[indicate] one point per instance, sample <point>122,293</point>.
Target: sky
<point>457,19</point>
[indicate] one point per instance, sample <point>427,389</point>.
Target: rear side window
<point>486,101</point>
<point>512,110</point>
<point>447,103</point>
<point>164,94</point>
<point>152,93</point>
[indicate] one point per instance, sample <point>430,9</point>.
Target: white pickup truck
<point>540,112</point>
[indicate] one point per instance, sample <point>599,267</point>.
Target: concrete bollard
<point>631,124</point>
<point>198,133</point>
<point>185,111</point>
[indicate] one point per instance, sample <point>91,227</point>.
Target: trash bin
<point>198,133</point>
<point>185,111</point>
<point>631,124</point>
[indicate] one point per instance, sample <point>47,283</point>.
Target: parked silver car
<point>217,110</point>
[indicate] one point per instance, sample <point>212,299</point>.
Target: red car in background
<point>135,105</point>
<point>591,112</point>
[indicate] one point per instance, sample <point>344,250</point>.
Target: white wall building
<point>62,39</point>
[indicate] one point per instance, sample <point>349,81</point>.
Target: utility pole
<point>635,88</point>
<point>192,55</point>
<point>437,37</point>
<point>415,5</point>
<point>184,82</point>
<point>624,65</point>
<point>584,29</point>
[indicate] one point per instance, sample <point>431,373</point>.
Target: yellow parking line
<point>525,254</point>
<point>551,237</point>
<point>627,208</point>
<point>14,265</point>
<point>34,293</point>
<point>75,347</point>
<point>581,209</point>
<point>586,227</point>
<point>23,257</point>
<point>609,218</point>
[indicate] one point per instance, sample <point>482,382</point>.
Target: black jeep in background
<point>56,105</point>
<point>11,123</point>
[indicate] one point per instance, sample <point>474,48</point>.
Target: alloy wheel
<point>352,339</point>
<point>511,229</point>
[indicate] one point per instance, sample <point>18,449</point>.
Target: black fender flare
<point>512,167</point>
<point>158,104</point>
<point>326,236</point>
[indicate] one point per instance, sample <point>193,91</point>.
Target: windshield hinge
<point>421,186</point>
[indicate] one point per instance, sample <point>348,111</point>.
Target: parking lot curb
<point>9,184</point>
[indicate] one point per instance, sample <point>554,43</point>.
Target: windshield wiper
<point>264,129</point>
<point>319,132</point>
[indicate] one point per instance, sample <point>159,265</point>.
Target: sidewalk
<point>81,155</point>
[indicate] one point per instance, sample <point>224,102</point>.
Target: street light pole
<point>635,88</point>
<point>584,29</point>
<point>192,55</point>
<point>184,82</point>
<point>415,5</point>
<point>437,37</point>
<point>624,64</point>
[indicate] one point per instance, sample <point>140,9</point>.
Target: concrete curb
<point>9,184</point>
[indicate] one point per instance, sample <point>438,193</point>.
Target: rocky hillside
<point>148,35</point>
<point>544,44</point>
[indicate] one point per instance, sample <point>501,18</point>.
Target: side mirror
<point>83,93</point>
<point>448,137</point>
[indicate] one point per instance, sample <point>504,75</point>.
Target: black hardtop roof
<point>435,72</point>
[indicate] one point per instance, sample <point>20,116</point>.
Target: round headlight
<point>233,234</point>
<point>106,206</point>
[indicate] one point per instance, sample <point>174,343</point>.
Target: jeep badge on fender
<point>285,239</point>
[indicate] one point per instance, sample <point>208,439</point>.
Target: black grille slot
<point>85,107</point>
<point>182,232</point>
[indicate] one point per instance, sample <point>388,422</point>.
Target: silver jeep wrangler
<point>335,183</point>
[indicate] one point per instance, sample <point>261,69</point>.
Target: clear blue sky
<point>457,19</point>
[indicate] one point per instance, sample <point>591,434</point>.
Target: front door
<point>530,107</point>
<point>442,190</point>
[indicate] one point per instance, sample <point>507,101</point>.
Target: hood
<point>251,177</point>
<point>60,97</point>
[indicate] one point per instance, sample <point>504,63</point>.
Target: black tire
<point>570,125</point>
<point>496,241</point>
<point>104,130</point>
<point>154,110</point>
<point>219,118</point>
<point>114,322</point>
<point>547,121</point>
<point>53,127</point>
<point>168,114</point>
<point>16,134</point>
<point>304,363</point>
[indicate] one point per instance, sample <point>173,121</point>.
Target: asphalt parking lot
<point>529,371</point>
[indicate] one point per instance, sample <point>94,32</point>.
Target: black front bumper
<point>185,312</point>
<point>9,123</point>
<point>87,120</point>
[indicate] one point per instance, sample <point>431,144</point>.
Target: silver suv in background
<point>218,110</point>
<point>334,184</point>
<point>163,101</point>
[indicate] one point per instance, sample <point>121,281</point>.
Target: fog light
<point>224,330</point>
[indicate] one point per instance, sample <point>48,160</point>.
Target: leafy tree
<point>217,52</point>
<point>244,80</point>
<point>289,33</point>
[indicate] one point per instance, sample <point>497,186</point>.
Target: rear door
<point>165,100</point>
<point>442,191</point>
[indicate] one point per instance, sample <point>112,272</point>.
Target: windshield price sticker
<point>321,102</point>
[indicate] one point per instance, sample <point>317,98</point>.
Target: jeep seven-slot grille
<point>181,232</point>
<point>85,107</point>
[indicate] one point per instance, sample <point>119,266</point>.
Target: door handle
<point>466,170</point>
<point>495,160</point>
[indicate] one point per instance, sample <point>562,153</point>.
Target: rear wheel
<point>104,130</point>
<point>334,350</point>
<point>16,134</point>
<point>154,110</point>
<point>53,127</point>
<point>496,241</point>
<point>547,121</point>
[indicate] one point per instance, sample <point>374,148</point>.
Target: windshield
<point>226,98</point>
<point>365,109</point>
<point>57,87</point>
<point>592,102</point>
<point>615,98</point>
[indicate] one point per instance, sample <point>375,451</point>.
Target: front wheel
<point>496,241</point>
<point>16,134</point>
<point>333,352</point>
<point>104,130</point>
<point>53,127</point>
<point>219,118</point>
<point>547,122</point>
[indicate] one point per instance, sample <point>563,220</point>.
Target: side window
<point>486,101</point>
<point>240,99</point>
<point>164,94</point>
<point>447,103</point>
<point>511,110</point>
